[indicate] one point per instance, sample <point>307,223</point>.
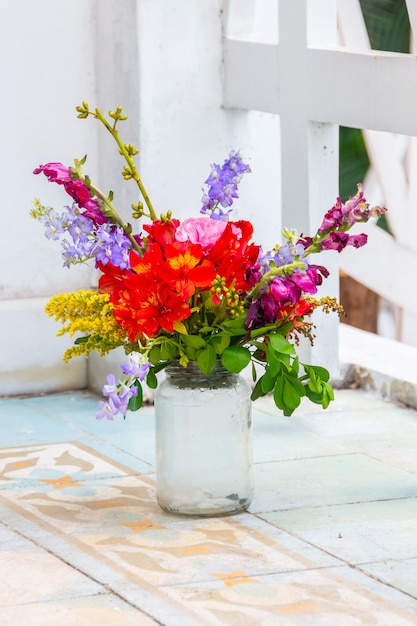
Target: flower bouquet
<point>197,290</point>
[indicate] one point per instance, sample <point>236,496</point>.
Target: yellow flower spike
<point>90,314</point>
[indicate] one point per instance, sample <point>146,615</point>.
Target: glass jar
<point>204,461</point>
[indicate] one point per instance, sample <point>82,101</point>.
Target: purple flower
<point>79,227</point>
<point>357,241</point>
<point>262,312</point>
<point>111,245</point>
<point>253,275</point>
<point>334,218</point>
<point>222,185</point>
<point>108,410</point>
<point>339,241</point>
<point>283,290</point>
<point>81,194</point>
<point>343,216</point>
<point>135,369</point>
<point>118,398</point>
<point>335,241</point>
<point>54,224</point>
<point>307,281</point>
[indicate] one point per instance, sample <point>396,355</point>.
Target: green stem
<point>135,174</point>
<point>113,214</point>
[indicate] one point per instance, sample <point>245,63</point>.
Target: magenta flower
<point>81,194</point>
<point>357,241</point>
<point>343,216</point>
<point>339,241</point>
<point>335,241</point>
<point>55,172</point>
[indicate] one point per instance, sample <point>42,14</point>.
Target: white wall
<point>51,60</point>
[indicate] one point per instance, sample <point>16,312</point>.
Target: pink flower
<point>55,172</point>
<point>202,230</point>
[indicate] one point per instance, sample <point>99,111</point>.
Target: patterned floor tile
<point>105,610</point>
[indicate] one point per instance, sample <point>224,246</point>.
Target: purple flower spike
<point>222,185</point>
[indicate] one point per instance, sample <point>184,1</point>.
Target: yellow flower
<point>90,314</point>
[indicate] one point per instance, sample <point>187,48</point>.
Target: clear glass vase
<point>204,461</point>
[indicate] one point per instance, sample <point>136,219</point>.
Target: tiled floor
<point>331,537</point>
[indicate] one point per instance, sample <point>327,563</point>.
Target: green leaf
<point>323,396</point>
<point>236,358</point>
<point>293,391</point>
<point>268,381</point>
<point>155,355</point>
<point>206,360</point>
<point>254,374</point>
<point>234,326</point>
<point>81,340</point>
<point>257,390</point>
<point>237,322</point>
<point>194,341</point>
<point>169,351</point>
<point>274,365</point>
<point>151,379</point>
<point>191,353</point>
<point>280,344</point>
<point>278,392</point>
<point>220,342</point>
<point>135,402</point>
<point>320,372</point>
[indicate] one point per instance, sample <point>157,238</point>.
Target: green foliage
<point>135,402</point>
<point>387,24</point>
<point>282,377</point>
<point>236,358</point>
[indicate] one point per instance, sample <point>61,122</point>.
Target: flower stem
<point>132,166</point>
<point>113,214</point>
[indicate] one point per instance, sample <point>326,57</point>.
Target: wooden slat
<point>367,89</point>
<point>384,266</point>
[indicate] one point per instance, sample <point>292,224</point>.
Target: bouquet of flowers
<point>193,290</point>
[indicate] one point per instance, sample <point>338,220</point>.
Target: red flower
<point>233,255</point>
<point>295,313</point>
<point>162,232</point>
<point>147,307</point>
<point>185,259</point>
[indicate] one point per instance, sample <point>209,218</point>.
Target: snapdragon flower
<point>342,216</point>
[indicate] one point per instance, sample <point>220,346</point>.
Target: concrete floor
<point>331,537</point>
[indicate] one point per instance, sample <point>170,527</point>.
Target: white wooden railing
<point>318,71</point>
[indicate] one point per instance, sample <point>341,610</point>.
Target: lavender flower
<point>118,398</point>
<point>222,186</point>
<point>111,245</point>
<point>135,368</point>
<point>119,394</point>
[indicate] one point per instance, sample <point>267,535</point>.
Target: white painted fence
<point>196,78</point>
<point>316,77</point>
